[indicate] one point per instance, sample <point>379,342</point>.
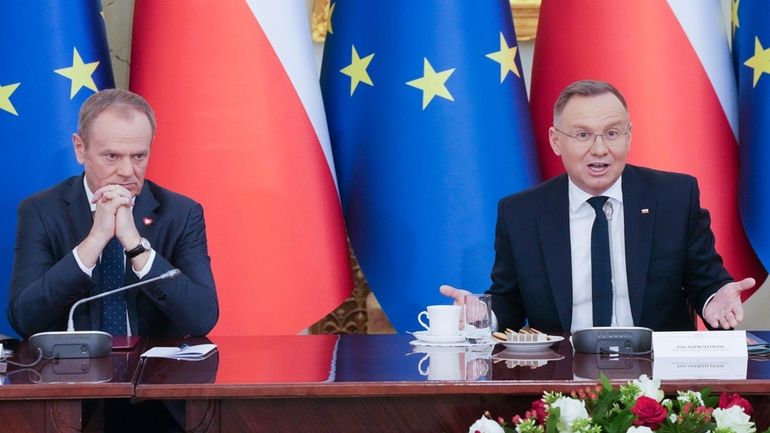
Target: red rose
<point>649,413</point>
<point>729,400</point>
<point>538,406</point>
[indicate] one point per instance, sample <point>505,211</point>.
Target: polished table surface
<point>389,365</point>
<point>332,383</point>
<point>112,376</point>
<point>382,383</point>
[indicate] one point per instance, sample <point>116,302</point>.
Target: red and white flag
<point>671,61</point>
<point>242,130</point>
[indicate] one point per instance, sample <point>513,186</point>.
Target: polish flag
<point>242,130</point>
<point>671,61</point>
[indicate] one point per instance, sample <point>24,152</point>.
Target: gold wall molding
<point>525,15</point>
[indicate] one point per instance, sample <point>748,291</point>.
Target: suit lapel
<point>78,210</point>
<point>553,230</point>
<point>639,216</point>
<point>145,216</point>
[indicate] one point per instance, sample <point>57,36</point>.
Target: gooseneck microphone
<point>71,325</point>
<point>84,344</point>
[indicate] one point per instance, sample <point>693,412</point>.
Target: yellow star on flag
<point>506,57</point>
<point>736,24</point>
<point>760,62</point>
<point>5,98</point>
<point>329,27</point>
<point>80,74</point>
<point>432,83</point>
<point>356,70</point>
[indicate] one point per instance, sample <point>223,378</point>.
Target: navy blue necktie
<point>601,272</point>
<point>113,275</point>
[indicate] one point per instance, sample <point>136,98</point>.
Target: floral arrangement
<point>637,407</point>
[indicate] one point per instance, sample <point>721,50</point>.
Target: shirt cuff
<point>147,266</point>
<point>703,311</point>
<point>88,271</point>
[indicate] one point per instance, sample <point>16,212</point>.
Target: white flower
<point>641,429</point>
<point>650,387</point>
<point>693,397</point>
<point>485,425</point>
<point>570,410</point>
<point>734,418</point>
<point>667,403</point>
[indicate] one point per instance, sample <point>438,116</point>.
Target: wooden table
<point>380,383</point>
<point>64,395</point>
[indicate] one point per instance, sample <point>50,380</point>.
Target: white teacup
<point>444,319</point>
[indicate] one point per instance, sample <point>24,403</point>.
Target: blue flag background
<point>39,106</point>
<point>751,55</point>
<point>430,128</point>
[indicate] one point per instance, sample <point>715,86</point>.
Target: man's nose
<point>125,168</point>
<point>599,146</point>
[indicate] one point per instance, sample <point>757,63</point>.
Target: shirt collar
<point>577,196</point>
<point>89,195</point>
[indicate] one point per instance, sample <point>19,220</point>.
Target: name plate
<point>700,355</point>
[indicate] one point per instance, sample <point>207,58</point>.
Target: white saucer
<point>531,346</point>
<point>441,339</point>
<point>420,347</point>
<point>540,355</point>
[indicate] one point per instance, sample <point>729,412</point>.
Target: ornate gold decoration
<point>360,313</point>
<point>525,15</point>
<point>319,19</point>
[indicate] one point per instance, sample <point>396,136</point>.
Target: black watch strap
<point>144,245</point>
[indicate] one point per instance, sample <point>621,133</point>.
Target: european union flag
<point>430,127</point>
<point>53,56</point>
<point>751,55</point>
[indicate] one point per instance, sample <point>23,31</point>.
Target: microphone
<point>84,344</point>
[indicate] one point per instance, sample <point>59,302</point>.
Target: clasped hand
<point>113,218</point>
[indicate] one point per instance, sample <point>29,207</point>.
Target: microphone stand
<point>83,344</point>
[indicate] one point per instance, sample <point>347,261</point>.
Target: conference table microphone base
<point>71,344</point>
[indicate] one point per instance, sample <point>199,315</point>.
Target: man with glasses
<point>606,243</point>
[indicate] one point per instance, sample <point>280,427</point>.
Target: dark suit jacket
<point>670,257</point>
<point>46,278</point>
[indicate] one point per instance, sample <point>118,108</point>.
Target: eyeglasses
<point>611,134</point>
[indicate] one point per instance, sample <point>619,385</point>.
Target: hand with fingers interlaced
<point>112,217</point>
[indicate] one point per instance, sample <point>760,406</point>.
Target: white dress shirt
<point>581,220</point>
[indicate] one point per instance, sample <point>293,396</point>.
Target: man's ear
<point>553,138</point>
<point>630,135</point>
<point>80,148</point>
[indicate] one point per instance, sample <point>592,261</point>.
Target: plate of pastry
<point>526,340</point>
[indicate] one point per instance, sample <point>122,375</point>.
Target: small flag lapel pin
<point>645,211</point>
<point>148,221</point>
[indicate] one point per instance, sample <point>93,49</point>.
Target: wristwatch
<point>144,245</point>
